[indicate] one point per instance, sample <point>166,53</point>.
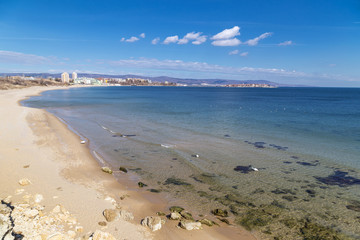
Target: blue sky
<point>296,42</point>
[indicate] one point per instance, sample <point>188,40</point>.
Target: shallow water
<point>188,141</point>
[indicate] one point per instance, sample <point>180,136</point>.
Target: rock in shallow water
<point>175,216</point>
<point>107,170</point>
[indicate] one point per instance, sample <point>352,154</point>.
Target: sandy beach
<point>36,146</point>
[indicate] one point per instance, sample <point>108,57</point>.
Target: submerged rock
<point>220,212</point>
<point>176,209</point>
<point>245,169</point>
<point>154,223</point>
<point>176,181</point>
<point>123,169</point>
<point>141,184</point>
<point>190,225</point>
<point>339,178</point>
<point>107,170</point>
<point>207,222</point>
<point>186,215</point>
<point>355,206</point>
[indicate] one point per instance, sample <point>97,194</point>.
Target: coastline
<point>37,138</point>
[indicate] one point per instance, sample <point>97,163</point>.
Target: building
<point>87,81</point>
<point>74,75</point>
<point>65,77</point>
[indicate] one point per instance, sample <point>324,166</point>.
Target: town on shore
<point>73,79</point>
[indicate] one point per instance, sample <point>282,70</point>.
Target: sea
<point>277,159</point>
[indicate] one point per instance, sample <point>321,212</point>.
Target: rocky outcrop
<point>29,220</point>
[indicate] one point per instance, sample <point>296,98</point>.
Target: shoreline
<point>41,140</point>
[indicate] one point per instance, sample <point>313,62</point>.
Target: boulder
<point>107,170</point>
<point>111,214</point>
<point>154,223</point>
<point>190,225</point>
<point>175,216</point>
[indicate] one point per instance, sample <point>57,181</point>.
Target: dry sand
<point>64,172</point>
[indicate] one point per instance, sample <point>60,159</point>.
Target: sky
<point>303,42</point>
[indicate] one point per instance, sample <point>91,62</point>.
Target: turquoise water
<point>296,137</point>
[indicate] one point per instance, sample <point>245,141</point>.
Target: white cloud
<point>155,41</point>
<point>234,52</point>
<point>227,34</point>
<point>122,39</point>
<point>171,39</point>
<point>132,39</point>
<point>255,41</point>
<point>199,40</point>
<point>195,37</point>
<point>244,54</point>
<point>286,43</point>
<point>23,58</point>
<point>227,42</point>
<point>142,35</point>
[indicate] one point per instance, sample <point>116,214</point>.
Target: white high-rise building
<point>74,75</point>
<point>65,77</point>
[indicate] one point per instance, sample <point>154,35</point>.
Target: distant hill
<point>188,81</point>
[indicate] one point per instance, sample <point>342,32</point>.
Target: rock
<point>154,223</point>
<point>111,215</point>
<point>79,229</point>
<point>99,235</point>
<point>38,198</point>
<point>160,214</point>
<point>187,215</point>
<point>102,223</point>
<point>107,170</point>
<point>31,213</point>
<point>207,222</point>
<point>175,216</point>
<point>126,215</point>
<point>224,220</point>
<point>56,236</point>
<point>176,209</point>
<point>123,169</point>
<point>71,234</point>
<point>24,182</point>
<point>141,184</point>
<point>190,225</point>
<point>56,209</point>
<point>220,212</point>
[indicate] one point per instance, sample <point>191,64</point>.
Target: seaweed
<point>339,178</point>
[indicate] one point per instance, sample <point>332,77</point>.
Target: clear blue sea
<point>298,139</point>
